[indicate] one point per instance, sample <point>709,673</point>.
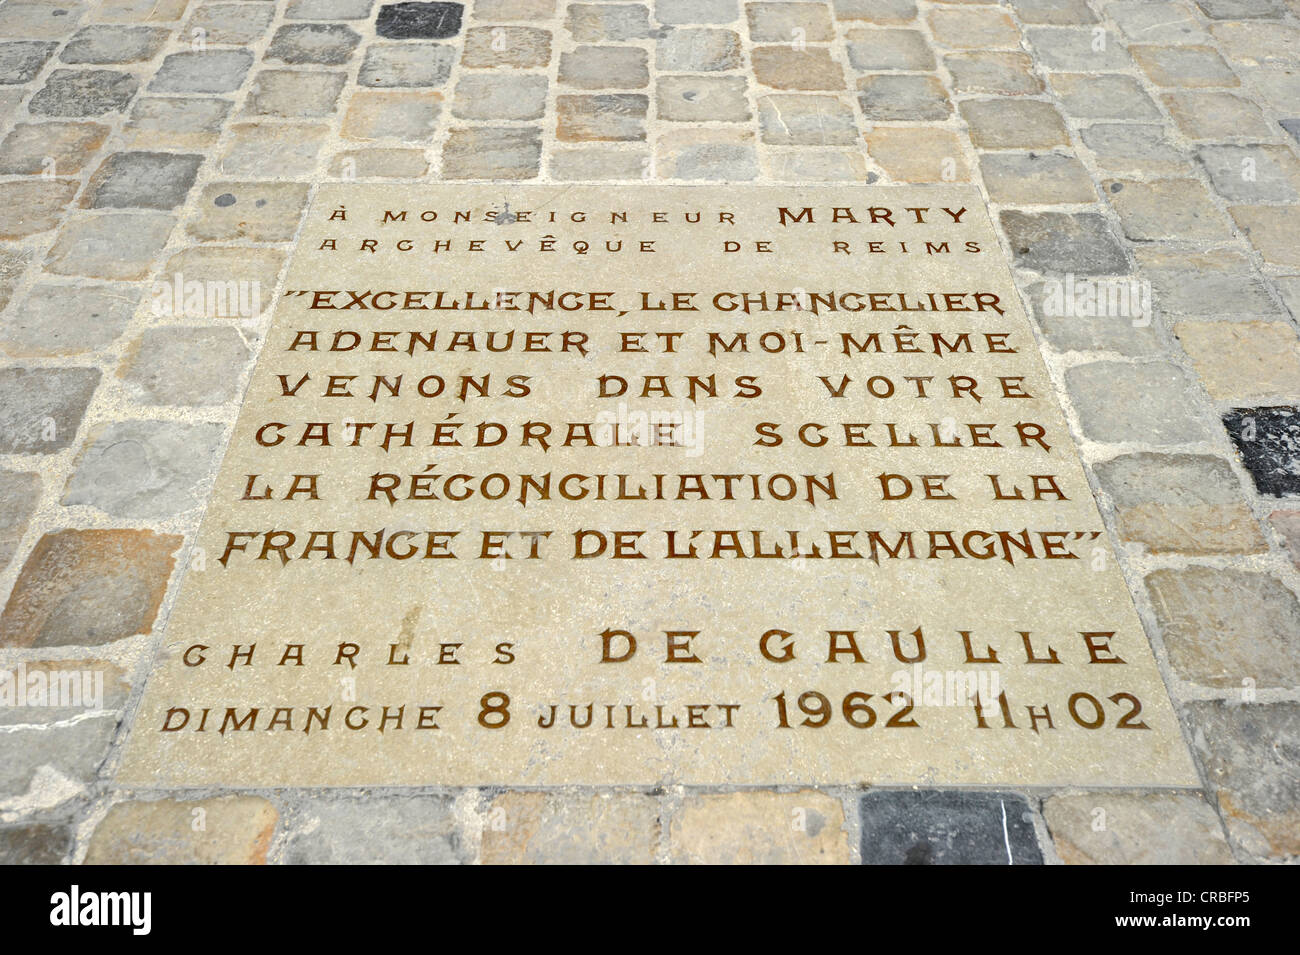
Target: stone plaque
<point>541,485</point>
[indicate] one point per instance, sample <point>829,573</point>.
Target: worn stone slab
<point>510,619</point>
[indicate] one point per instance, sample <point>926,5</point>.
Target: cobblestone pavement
<point>1155,141</point>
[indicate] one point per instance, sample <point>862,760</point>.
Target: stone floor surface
<point>149,143</point>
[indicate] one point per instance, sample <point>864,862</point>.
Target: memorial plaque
<point>541,485</point>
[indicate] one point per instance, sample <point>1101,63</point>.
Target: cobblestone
<point>88,587</point>
<point>84,93</point>
<point>760,828</point>
<point>1104,828</point>
<point>1105,401</point>
<point>231,830</point>
<point>544,829</point>
<point>1180,503</point>
<point>1227,629</point>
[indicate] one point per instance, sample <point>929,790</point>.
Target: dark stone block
<point>1268,440</point>
<point>419,21</point>
<point>933,827</point>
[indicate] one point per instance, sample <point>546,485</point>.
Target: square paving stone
<point>1274,231</point>
<point>717,155</point>
<point>144,469</point>
<point>83,93</point>
<point>1147,402</point>
<point>176,122</point>
<point>578,829</point>
<point>1014,124</point>
<point>605,67</point>
<point>519,47</point>
<point>247,276</point>
<point>1108,828</point>
<point>210,71</point>
<point>142,180</point>
<point>609,22</point>
<point>20,493</point>
<point>1251,755</point>
<point>41,408</point>
<point>1127,328</point>
<point>700,98</point>
<point>272,151</point>
<point>789,22</point>
<point>993,71</point>
<point>419,21</point>
<point>932,827</point>
<point>1268,443</point>
<point>294,93</point>
<point>886,97</point>
<point>500,96</point>
<point>406,64</point>
<point>1134,148</point>
<point>601,117</point>
<point>140,11</point>
<point>410,117</point>
<point>261,211</point>
<point>1062,242</point>
<point>1207,114</point>
<point>1077,51</point>
<point>46,21</point>
<point>1243,361</point>
<point>1184,66</point>
<point>792,119</point>
<point>875,11</point>
<point>1228,629</point>
<point>492,153</point>
<point>1241,9</point>
<point>326,44</point>
<point>67,319</point>
<point>754,828</point>
<point>696,11</point>
<point>699,50</point>
<point>1253,43</point>
<point>1036,178</point>
<point>1106,96</point>
<point>31,206</point>
<point>336,830</point>
<point>1181,209</point>
<point>817,165</point>
<point>21,60</point>
<point>1145,22</point>
<point>120,245</point>
<point>874,50</point>
<point>68,751</point>
<point>1252,173</point>
<point>599,162</point>
<point>785,68</point>
<point>1215,284</point>
<point>976,28</point>
<point>61,148</point>
<point>918,153</point>
<point>328,9</point>
<point>388,163</point>
<point>503,11</point>
<point>1180,503</point>
<point>235,23</point>
<point>237,830</point>
<point>105,43</point>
